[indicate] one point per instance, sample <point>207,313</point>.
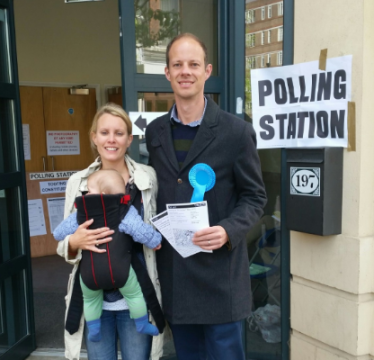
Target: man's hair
<point>108,181</point>
<point>186,35</point>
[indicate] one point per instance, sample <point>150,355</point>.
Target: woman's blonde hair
<point>112,109</point>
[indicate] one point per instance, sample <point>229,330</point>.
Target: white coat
<point>146,181</point>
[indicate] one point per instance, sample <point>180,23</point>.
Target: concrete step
<point>58,354</point>
<point>52,354</point>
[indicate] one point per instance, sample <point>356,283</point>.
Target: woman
<point>110,136</point>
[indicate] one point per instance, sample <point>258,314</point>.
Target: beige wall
<point>68,43</point>
<point>332,291</point>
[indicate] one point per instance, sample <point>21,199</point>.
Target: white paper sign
<point>55,211</point>
<point>140,120</point>
<point>26,141</point>
<point>63,143</point>
<point>36,218</point>
<point>302,106</point>
<point>51,175</point>
<point>52,187</point>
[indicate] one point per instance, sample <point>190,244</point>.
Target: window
<point>269,36</point>
<point>250,16</point>
<point>169,5</point>
<point>280,33</point>
<point>250,40</point>
<point>268,63</point>
<point>280,9</point>
<point>247,62</point>
<point>250,62</point>
<point>280,58</point>
<point>270,11</point>
<point>253,62</point>
<point>263,13</point>
<point>262,61</point>
<point>262,37</point>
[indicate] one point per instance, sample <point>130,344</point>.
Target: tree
<point>167,27</point>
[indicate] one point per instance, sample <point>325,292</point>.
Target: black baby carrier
<point>110,270</point>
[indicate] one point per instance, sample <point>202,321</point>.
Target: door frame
<point>288,59</point>
<point>97,87</point>
<point>10,91</point>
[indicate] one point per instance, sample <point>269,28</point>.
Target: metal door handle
<point>43,158</point>
<point>53,163</point>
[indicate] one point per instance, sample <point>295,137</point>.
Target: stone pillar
<point>332,287</point>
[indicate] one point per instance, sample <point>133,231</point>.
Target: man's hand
<point>211,238</point>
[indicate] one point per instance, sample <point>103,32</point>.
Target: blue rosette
<point>202,178</point>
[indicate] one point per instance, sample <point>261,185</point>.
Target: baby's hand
<point>158,247</point>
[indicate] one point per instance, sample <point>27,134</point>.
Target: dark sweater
<point>183,137</point>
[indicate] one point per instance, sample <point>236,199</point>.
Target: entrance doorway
<point>71,44</point>
<point>68,46</point>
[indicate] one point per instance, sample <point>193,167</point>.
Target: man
<point>205,296</point>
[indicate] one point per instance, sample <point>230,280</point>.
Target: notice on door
<point>36,218</point>
<point>55,211</point>
<point>26,141</point>
<point>52,187</point>
<point>63,143</point>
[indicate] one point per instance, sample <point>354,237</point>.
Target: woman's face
<point>111,138</point>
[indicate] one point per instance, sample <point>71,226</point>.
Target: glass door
<point>17,335</point>
<point>146,28</point>
<point>240,35</point>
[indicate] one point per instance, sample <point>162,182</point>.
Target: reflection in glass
<point>5,70</point>
<point>13,311</point>
<point>11,237</point>
<point>264,45</point>
<point>8,141</point>
<point>158,21</point>
<point>157,102</point>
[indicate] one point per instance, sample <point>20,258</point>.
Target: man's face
<point>187,72</point>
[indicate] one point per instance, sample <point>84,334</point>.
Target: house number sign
<point>305,181</point>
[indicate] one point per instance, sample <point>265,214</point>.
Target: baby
<point>109,182</point>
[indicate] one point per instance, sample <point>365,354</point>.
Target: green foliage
<point>248,93</point>
<point>168,24</point>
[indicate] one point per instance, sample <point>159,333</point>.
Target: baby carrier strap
<point>75,309</point>
<point>149,292</point>
<point>142,275</point>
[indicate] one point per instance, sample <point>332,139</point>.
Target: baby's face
<point>92,188</point>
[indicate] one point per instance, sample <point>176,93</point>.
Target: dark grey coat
<point>209,288</point>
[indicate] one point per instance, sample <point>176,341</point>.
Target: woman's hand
<point>87,239</point>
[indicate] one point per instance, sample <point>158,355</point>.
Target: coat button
<point>180,181</point>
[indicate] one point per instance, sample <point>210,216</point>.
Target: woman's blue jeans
<point>118,325</point>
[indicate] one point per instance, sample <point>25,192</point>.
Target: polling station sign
<point>302,106</point>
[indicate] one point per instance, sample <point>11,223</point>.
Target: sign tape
<point>323,59</point>
<point>351,126</point>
